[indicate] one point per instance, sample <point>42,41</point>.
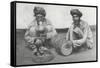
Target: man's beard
<point>40,21</point>
<point>77,23</point>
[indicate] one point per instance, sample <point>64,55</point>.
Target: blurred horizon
<point>59,30</point>
<point>91,26</point>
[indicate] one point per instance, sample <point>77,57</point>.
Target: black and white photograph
<point>52,33</point>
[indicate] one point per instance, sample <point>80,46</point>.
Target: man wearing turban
<point>39,27</point>
<point>79,32</point>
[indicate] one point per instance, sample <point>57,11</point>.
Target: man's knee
<point>90,45</point>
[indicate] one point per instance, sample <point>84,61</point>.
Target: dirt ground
<point>24,56</point>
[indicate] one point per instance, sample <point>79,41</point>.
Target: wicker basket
<point>47,57</point>
<point>62,46</point>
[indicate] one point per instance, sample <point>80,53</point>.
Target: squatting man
<point>40,27</point>
<point>79,32</point>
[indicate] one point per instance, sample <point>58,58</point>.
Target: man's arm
<point>85,33</point>
<point>51,30</point>
<point>27,37</point>
<point>30,34</point>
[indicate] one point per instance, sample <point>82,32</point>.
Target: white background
<point>59,16</point>
<point>5,34</point>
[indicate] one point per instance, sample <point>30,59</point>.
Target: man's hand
<point>31,40</point>
<point>76,43</point>
<point>38,41</point>
<point>49,35</point>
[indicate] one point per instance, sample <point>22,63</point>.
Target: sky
<point>58,15</point>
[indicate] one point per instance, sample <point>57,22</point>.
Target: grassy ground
<point>24,56</point>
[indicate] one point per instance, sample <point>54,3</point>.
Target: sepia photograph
<point>52,33</point>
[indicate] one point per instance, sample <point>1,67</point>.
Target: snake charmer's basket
<point>62,46</point>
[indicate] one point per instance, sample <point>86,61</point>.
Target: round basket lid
<point>66,48</point>
<point>46,57</point>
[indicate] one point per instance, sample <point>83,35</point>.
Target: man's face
<point>76,18</point>
<point>39,17</point>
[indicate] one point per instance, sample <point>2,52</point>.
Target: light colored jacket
<point>83,31</point>
<point>31,32</point>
